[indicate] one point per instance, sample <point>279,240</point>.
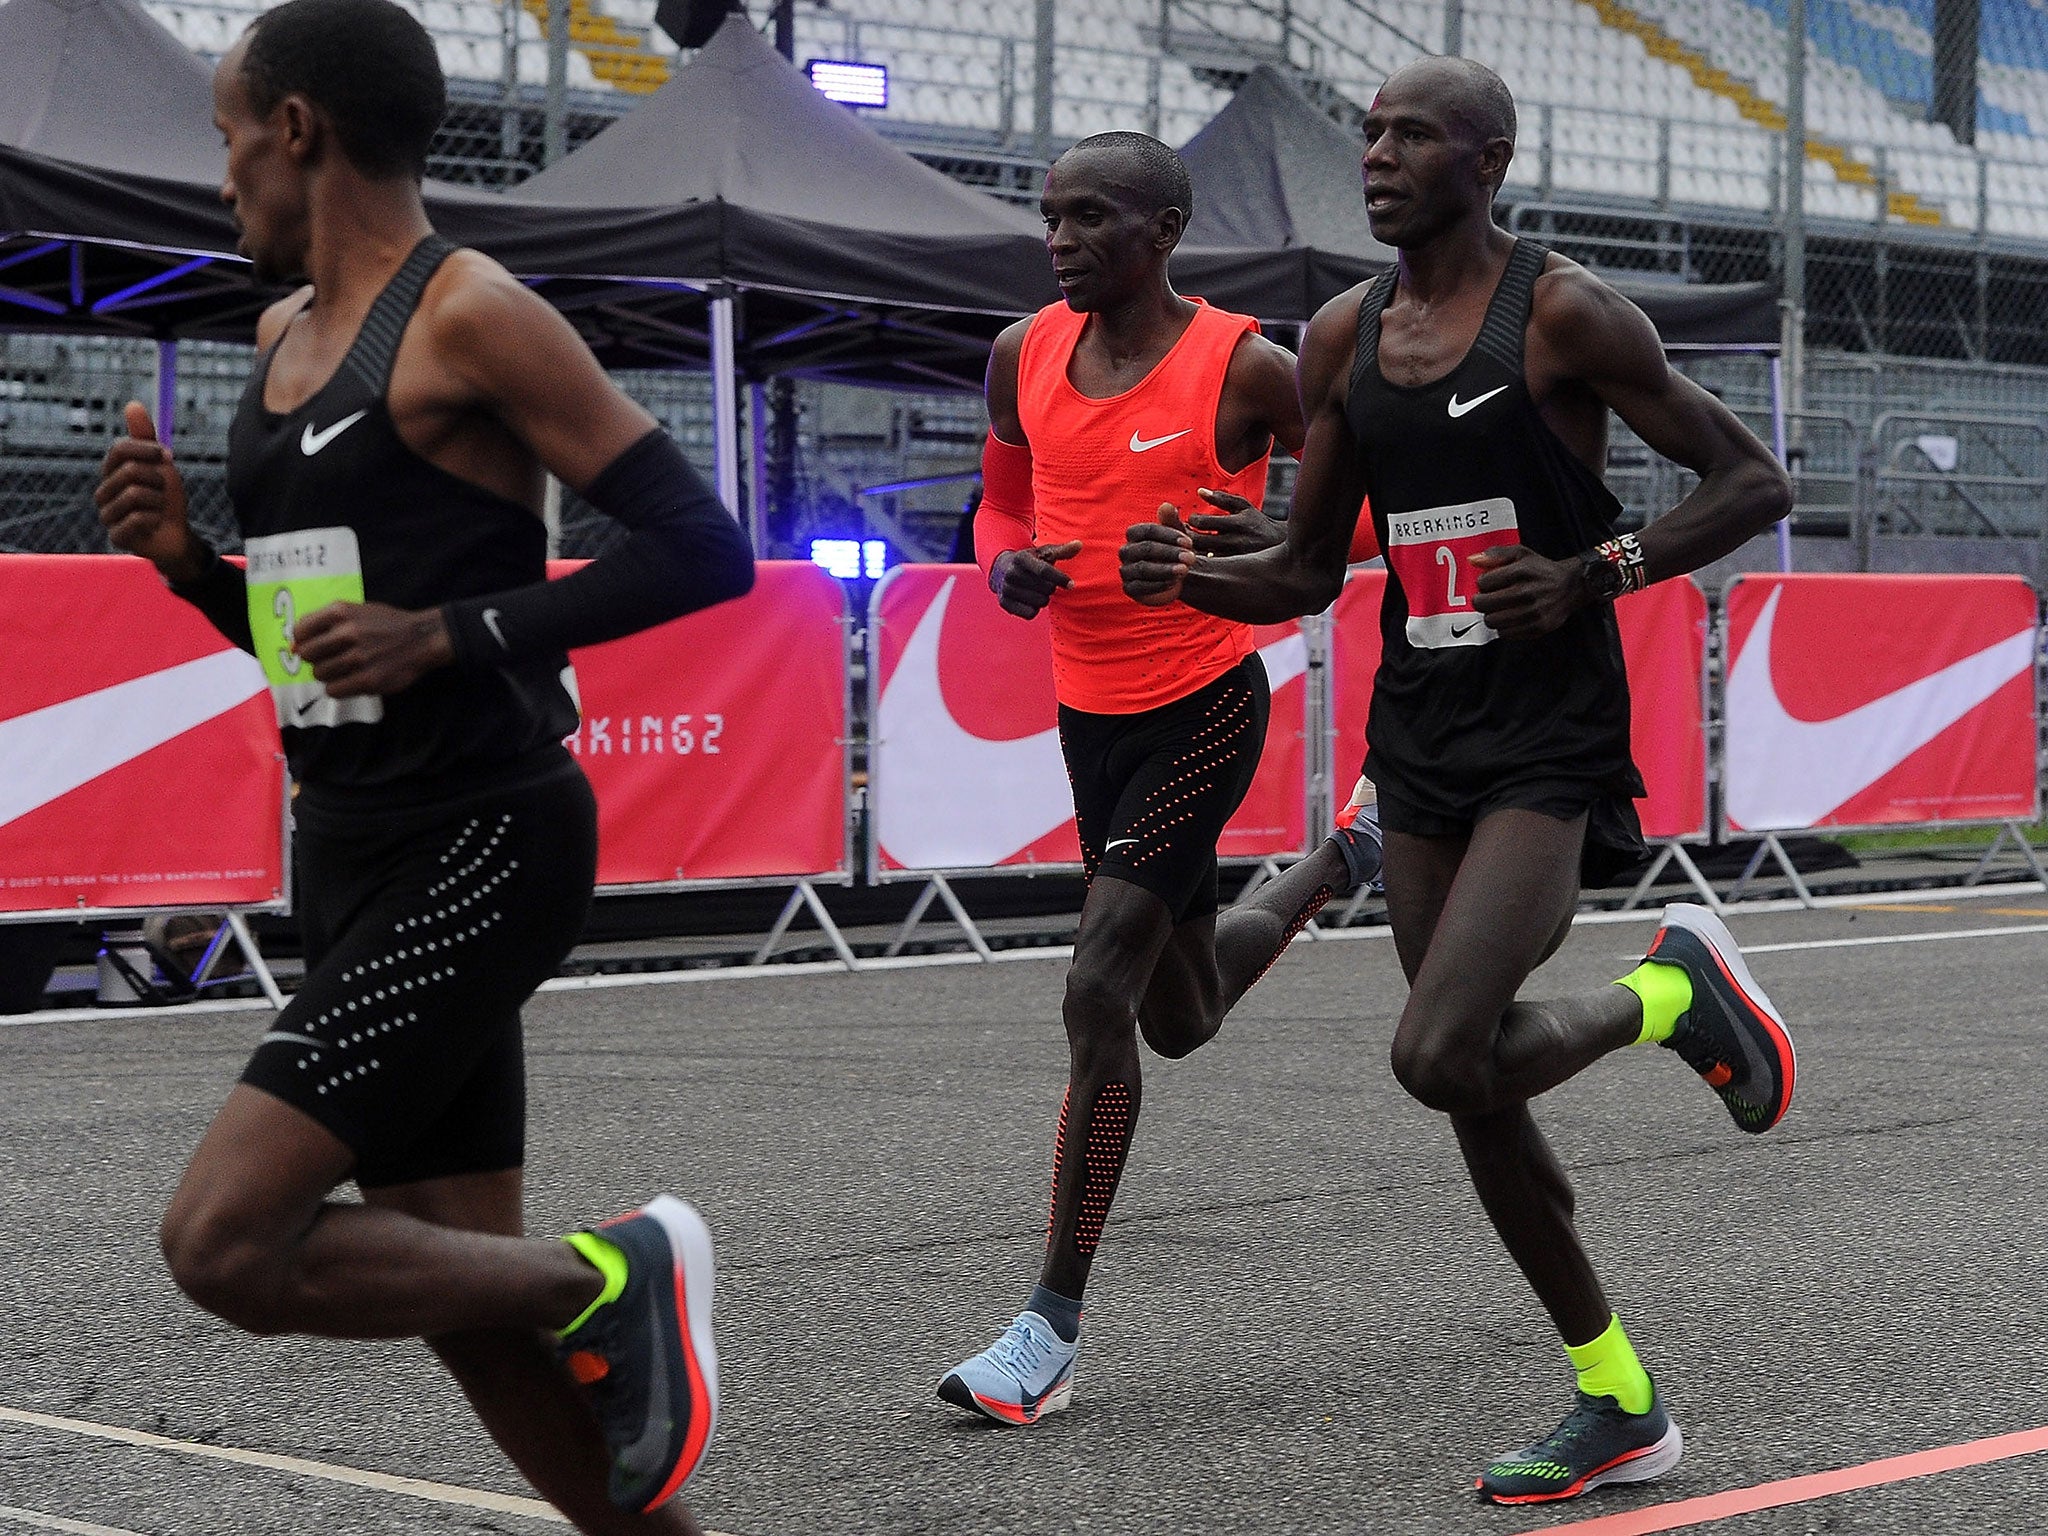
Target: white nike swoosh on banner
<point>311,442</point>
<point>1784,772</point>
<point>957,800</point>
<point>51,751</point>
<point>1143,445</point>
<point>1460,407</point>
<point>946,798</point>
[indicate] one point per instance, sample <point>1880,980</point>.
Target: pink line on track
<point>1802,1490</point>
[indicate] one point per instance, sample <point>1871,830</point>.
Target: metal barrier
<point>1955,473</point>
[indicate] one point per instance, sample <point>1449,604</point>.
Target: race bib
<point>1430,552</point>
<point>292,574</point>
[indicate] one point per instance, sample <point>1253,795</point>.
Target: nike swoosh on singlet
<point>1021,792</point>
<point>311,442</point>
<point>51,751</point>
<point>1460,407</point>
<point>1121,842</point>
<point>1145,444</point>
<point>1787,772</point>
<point>491,623</point>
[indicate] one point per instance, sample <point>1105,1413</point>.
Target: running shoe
<point>1731,1035</point>
<point>1358,838</point>
<point>646,1357</point>
<point>1596,1444</point>
<point>1019,1379</point>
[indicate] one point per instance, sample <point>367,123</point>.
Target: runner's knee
<point>225,1267</point>
<point>1446,1077</point>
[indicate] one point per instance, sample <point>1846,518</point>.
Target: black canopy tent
<point>111,221</point>
<point>1279,226</point>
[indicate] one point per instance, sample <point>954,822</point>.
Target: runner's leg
<point>252,1237</point>
<point>1472,918</point>
<point>1123,930</point>
<point>538,1415</point>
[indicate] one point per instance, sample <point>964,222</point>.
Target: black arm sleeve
<point>221,592</point>
<point>685,552</point>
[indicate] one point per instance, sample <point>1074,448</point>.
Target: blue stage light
<point>853,85</point>
<point>842,557</point>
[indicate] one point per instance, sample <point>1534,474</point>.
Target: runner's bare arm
<point>1602,340</point>
<point>1021,572</point>
<point>1304,573</point>
<point>497,348</point>
<point>1584,335</point>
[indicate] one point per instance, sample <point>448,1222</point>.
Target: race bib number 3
<point>291,575</point>
<point>1430,553</point>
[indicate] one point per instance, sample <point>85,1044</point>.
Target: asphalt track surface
<point>1299,1321</point>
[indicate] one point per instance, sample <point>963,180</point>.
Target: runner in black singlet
<point>386,468</point>
<point>1466,392</point>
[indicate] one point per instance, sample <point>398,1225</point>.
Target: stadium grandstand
<point>1653,141</point>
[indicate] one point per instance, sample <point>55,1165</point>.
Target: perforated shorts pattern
<point>425,932</point>
<point>1154,790</point>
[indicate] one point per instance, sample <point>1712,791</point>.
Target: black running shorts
<point>1153,790</point>
<point>1614,836</point>
<point>425,930</point>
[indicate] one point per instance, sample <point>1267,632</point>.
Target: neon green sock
<point>1666,992</point>
<point>603,1256</point>
<point>1608,1367</point>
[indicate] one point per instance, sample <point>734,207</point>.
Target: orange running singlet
<point>1098,466</point>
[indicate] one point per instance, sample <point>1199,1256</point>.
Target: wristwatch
<point>1604,578</point>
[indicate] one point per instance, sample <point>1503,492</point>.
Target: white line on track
<point>36,1521</point>
<point>1874,902</point>
<point>1895,938</point>
<point>295,1466</point>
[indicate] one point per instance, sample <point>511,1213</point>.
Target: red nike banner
<point>1664,642</point>
<point>139,758</point>
<point>964,762</point>
<point>716,744</point>
<point>1870,701</point>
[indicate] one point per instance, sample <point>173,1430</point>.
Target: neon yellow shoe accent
<point>607,1260</point>
<point>1666,992</point>
<point>1608,1367</point>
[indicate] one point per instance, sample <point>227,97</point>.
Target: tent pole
<point>1779,443</point>
<point>757,468</point>
<point>725,404</point>
<point>166,391</point>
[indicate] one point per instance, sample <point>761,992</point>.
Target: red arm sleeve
<point>1365,543</point>
<point>1004,520</point>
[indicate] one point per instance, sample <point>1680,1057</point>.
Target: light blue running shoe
<point>1019,1379</point>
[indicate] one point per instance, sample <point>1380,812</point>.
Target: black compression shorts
<point>1153,790</point>
<point>426,929</point>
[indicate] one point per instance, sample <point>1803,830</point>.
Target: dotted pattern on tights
<point>1109,1139</point>
<point>1059,1159</point>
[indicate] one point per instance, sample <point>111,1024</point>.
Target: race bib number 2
<point>291,575</point>
<point>1430,553</point>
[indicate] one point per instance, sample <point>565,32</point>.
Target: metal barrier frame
<point>939,882</point>
<point>236,917</point>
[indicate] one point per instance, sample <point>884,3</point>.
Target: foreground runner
<point>1128,394</point>
<point>1467,391</point>
<point>386,470</point>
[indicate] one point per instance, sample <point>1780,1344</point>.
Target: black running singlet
<point>334,506</point>
<point>1454,467</point>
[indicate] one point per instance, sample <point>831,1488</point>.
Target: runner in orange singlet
<point>1123,398</point>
